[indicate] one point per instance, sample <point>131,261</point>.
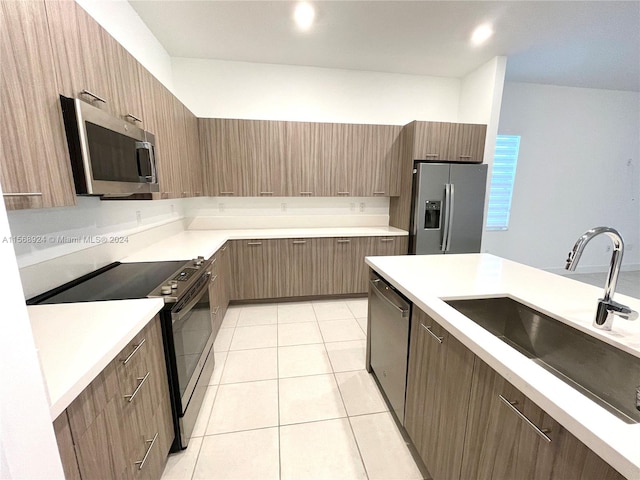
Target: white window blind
<point>502,178</point>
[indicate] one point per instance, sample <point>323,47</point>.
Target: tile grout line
<point>278,393</point>
<point>335,379</point>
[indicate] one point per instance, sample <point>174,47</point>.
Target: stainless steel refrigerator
<point>447,213</point>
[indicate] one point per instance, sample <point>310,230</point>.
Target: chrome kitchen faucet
<point>607,307</point>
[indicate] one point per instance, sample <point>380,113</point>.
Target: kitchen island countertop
<point>428,280</point>
<point>76,341</point>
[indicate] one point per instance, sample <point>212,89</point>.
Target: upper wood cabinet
<point>35,170</point>
<point>272,158</point>
<point>452,142</point>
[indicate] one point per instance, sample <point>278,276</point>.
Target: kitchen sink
<point>603,373</point>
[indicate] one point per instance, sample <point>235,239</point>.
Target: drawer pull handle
<point>254,243</point>
<point>344,241</point>
<point>93,95</point>
<point>299,242</point>
<point>542,433</point>
<point>213,279</point>
<point>379,193</point>
<point>306,193</point>
<point>214,261</point>
<point>464,156</point>
<point>133,117</point>
<point>146,454</point>
<point>386,239</point>
<point>343,193</point>
<point>266,193</point>
<point>215,312</point>
<point>135,350</point>
<point>224,248</point>
<point>227,193</point>
<point>135,392</point>
<point>23,194</point>
<point>431,154</point>
<point>428,329</point>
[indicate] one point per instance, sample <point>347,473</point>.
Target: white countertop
<point>427,280</point>
<point>191,243</point>
<point>76,341</point>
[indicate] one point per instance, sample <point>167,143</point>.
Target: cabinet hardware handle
<point>266,193</point>
<point>213,261</point>
<point>224,248</point>
<point>213,279</point>
<point>299,242</point>
<point>379,193</point>
<point>135,350</point>
<point>135,392</point>
<point>344,241</point>
<point>227,193</point>
<point>386,239</point>
<point>23,194</point>
<point>93,95</point>
<point>215,312</point>
<point>428,329</point>
<point>542,433</point>
<point>133,117</point>
<point>343,193</point>
<point>431,154</point>
<point>254,243</point>
<point>146,455</point>
<point>464,156</point>
<point>306,193</point>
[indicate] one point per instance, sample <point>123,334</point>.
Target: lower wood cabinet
<point>439,375</point>
<point>219,287</point>
<point>467,422</point>
<point>283,268</point>
<point>120,426</point>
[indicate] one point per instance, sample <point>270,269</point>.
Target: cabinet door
<point>501,444</point>
<point>431,141</point>
<point>298,268</point>
<point>255,267</point>
<point>35,170</point>
<point>79,54</point>
<point>342,151</point>
<point>195,171</point>
<point>386,246</point>
<point>380,153</point>
<point>349,272</point>
<point>306,170</point>
<point>438,390</point>
<point>467,142</point>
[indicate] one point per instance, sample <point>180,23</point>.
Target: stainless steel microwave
<point>109,156</point>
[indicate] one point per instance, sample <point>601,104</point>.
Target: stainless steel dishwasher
<point>388,341</point>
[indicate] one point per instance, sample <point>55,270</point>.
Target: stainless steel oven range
<point>187,330</point>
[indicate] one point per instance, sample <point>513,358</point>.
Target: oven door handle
<point>177,315</point>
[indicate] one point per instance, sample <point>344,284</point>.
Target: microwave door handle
<point>152,161</point>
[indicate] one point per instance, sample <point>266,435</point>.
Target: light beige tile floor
<point>290,398</point>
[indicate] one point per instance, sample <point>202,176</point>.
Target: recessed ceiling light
<point>304,15</point>
<point>481,34</point>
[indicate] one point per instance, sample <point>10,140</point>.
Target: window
<point>502,178</point>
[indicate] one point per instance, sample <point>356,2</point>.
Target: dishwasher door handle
<point>377,284</point>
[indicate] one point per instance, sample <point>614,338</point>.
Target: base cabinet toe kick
<point>120,426</point>
<point>466,421</point>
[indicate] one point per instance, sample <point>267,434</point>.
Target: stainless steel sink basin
<point>602,372</point>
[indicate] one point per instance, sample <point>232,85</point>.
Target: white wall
<point>216,88</point>
<point>579,167</point>
<point>125,25</point>
<point>27,442</point>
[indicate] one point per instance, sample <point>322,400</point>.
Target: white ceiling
<point>593,44</point>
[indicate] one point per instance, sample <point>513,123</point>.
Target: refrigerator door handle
<point>447,219</point>
<point>452,197</point>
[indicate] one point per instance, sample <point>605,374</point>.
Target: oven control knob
<point>174,284</point>
<point>165,289</point>
<point>198,263</point>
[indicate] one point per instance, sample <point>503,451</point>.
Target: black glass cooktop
<point>117,281</point>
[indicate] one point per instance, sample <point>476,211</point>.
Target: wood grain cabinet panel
<point>255,267</point>
<point>467,142</point>
<point>35,160</point>
<point>380,154</point>
<point>438,389</point>
<point>113,421</point>
<point>500,445</point>
<point>385,246</point>
<point>348,272</point>
<point>66,449</point>
<point>306,167</point>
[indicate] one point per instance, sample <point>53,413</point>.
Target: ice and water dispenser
<point>432,214</point>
